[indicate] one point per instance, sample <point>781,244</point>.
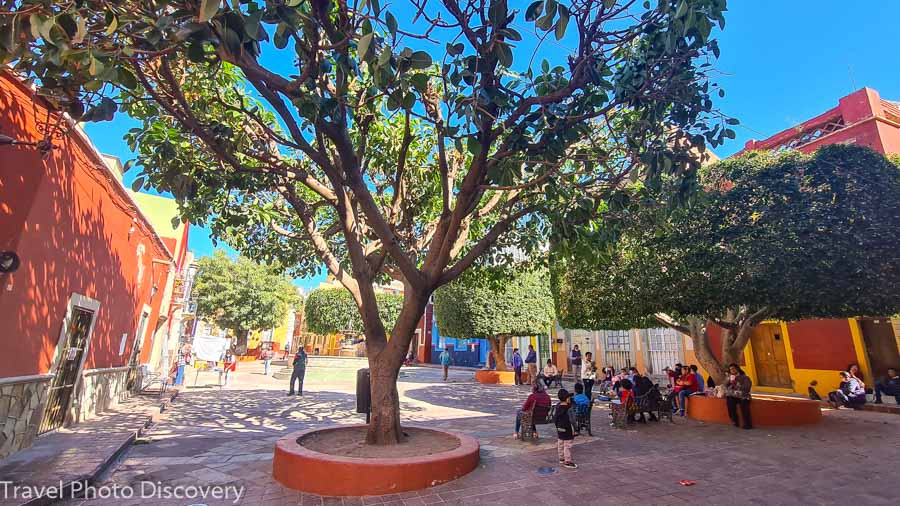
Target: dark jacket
<point>564,419</point>
<point>739,388</point>
<point>300,360</point>
<point>531,358</point>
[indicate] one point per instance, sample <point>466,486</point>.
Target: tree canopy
<point>770,235</point>
<point>241,295</point>
<point>331,310</point>
<point>477,306</point>
<point>380,139</point>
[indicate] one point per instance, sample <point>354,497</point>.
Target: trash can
<point>363,393</point>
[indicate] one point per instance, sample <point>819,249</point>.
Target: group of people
<point>564,418</point>
<point>852,391</point>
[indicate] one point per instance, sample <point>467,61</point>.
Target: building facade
<point>80,309</point>
<point>783,357</point>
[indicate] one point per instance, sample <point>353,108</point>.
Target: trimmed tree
<point>241,295</point>
<point>495,306</point>
<point>318,132</point>
<point>331,310</point>
<point>786,236</point>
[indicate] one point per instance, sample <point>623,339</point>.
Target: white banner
<point>210,348</point>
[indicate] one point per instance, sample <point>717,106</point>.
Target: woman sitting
<point>538,401</point>
<point>685,386</point>
<point>851,393</point>
<point>550,373</point>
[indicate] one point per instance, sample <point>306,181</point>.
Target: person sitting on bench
<point>851,393</point>
<point>538,398</point>
<point>550,373</point>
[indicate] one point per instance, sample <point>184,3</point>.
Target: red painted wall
<point>821,344</point>
<point>68,219</point>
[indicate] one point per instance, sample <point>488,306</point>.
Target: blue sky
<point>782,62</point>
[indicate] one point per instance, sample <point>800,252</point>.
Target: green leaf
<point>391,23</point>
<point>455,49</point>
<point>563,21</point>
<point>384,57</point>
<point>96,66</point>
<point>81,32</point>
<point>682,9</point>
<point>113,26</point>
<point>610,3</point>
<point>138,184</point>
<point>420,60</point>
<point>504,54</point>
<point>126,78</point>
<point>362,47</point>
<point>208,10</point>
<point>419,82</point>
<point>534,10</point>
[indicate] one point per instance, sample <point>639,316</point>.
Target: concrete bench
<point>766,411</point>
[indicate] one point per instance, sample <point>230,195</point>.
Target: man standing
<point>531,363</point>
<point>446,358</point>
<point>299,371</point>
<point>517,366</point>
<point>575,357</point>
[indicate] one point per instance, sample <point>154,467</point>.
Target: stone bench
<point>766,411</point>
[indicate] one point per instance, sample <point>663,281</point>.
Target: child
<point>581,400</point>
<point>565,429</point>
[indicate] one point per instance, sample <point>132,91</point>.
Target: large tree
<point>481,304</point>
<point>241,295</point>
<point>331,310</point>
<point>402,140</point>
<point>783,235</point>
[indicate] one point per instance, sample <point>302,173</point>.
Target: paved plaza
<point>226,436</point>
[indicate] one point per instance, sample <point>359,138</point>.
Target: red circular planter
<point>765,411</point>
<point>490,377</point>
<point>299,468</point>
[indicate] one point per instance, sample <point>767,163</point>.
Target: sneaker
<point>562,461</point>
<point>290,393</point>
<point>570,465</point>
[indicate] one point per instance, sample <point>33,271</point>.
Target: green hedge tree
<point>331,310</point>
<point>401,139</point>
<point>241,295</point>
<point>786,236</point>
<point>495,306</point>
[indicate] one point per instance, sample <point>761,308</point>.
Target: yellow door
<point>770,357</point>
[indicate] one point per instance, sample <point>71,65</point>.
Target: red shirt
<point>536,399</point>
<point>626,396</point>
<point>688,382</point>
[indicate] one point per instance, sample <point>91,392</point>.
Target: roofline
<point>91,151</point>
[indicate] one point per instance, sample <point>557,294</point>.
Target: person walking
<point>267,360</point>
<point>517,366</point>
<point>575,357</point>
<point>737,394</point>
<point>229,364</point>
<point>299,372</point>
<point>531,364</point>
<point>588,373</point>
<point>446,359</point>
<point>181,361</point>
<point>287,351</point>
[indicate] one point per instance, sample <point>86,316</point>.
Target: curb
<point>95,476</point>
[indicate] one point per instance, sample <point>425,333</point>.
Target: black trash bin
<point>363,393</point>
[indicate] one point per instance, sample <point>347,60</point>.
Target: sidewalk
<point>81,453</point>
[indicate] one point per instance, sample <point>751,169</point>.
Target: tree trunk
<point>498,346</point>
<point>703,350</point>
<point>385,359</point>
<point>240,342</point>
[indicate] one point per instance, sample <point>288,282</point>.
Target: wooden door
<point>770,357</point>
<point>68,371</point>
<point>881,345</point>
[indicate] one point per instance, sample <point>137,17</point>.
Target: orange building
<point>77,313</point>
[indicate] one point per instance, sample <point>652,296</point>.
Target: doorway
<point>68,371</point>
<point>770,356</point>
<point>664,349</point>
<point>881,345</point>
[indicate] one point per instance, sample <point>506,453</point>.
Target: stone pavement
<point>225,437</point>
<point>76,453</point>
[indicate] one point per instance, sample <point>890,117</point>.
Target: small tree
<point>331,310</point>
<point>785,236</point>
<point>241,295</point>
<point>403,139</point>
<point>495,306</point>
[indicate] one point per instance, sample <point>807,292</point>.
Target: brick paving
<point>76,452</point>
<point>226,436</point>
